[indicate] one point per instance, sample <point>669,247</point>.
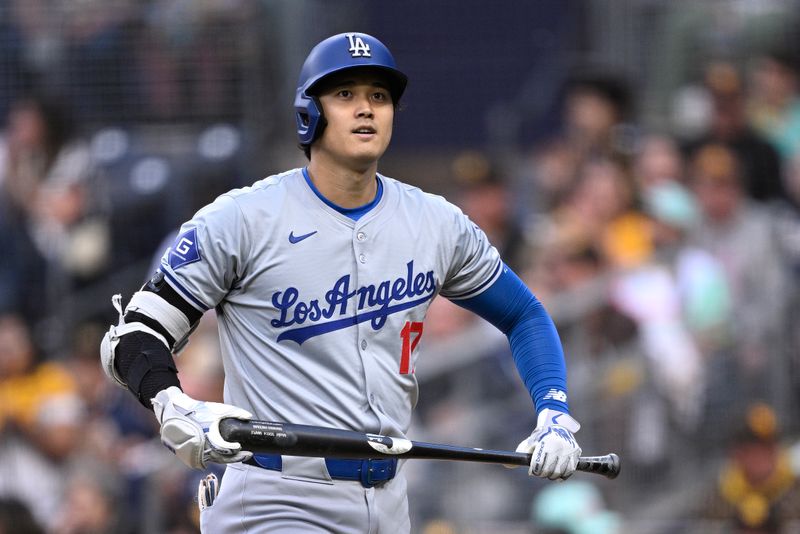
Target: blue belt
<point>369,472</point>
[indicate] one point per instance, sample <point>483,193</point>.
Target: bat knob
<point>608,465</point>
<point>614,466</point>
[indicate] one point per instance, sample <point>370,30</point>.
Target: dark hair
<point>611,87</point>
<point>785,56</point>
<point>306,150</point>
<point>16,517</point>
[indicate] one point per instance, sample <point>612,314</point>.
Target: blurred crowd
<point>668,257</point>
<point>670,266</point>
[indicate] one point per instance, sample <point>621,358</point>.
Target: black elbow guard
<point>146,366</point>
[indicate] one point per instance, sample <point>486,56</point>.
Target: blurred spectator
<point>40,418</point>
<point>682,316</point>
<point>202,365</point>
<point>706,302</point>
<point>597,123</point>
<point>793,182</point>
<point>114,425</point>
<point>741,235</point>
<point>672,354</point>
<point>553,167</point>
<point>598,109</point>
<point>758,489</point>
<point>49,184</point>
<point>487,200</point>
<point>658,161</point>
<point>775,100</point>
<point>761,167</point>
<point>91,504</point>
<point>603,205</point>
<point>788,231</point>
<point>28,385</point>
<point>690,35</point>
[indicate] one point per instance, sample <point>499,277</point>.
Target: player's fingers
<point>223,456</point>
<point>242,456</point>
<point>549,465</point>
<point>559,468</point>
<point>526,446</point>
<point>215,438</point>
<point>572,465</point>
<point>539,462</point>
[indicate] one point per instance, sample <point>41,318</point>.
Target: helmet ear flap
<point>308,115</point>
<point>310,119</point>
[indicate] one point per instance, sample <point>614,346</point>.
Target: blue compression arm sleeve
<point>510,306</point>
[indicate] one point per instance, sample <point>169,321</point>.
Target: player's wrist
<point>156,381</point>
<point>171,395</point>
<point>551,417</point>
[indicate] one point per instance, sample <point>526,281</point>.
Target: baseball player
<point>320,278</point>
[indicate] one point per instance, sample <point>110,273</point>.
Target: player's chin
<point>368,151</point>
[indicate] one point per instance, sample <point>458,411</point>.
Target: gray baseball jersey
<point>320,315</point>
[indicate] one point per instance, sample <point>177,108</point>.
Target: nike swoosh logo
<point>296,239</point>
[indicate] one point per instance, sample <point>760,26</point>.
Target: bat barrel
<point>294,440</point>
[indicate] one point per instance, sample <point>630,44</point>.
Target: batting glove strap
<point>190,428</point>
<point>552,446</point>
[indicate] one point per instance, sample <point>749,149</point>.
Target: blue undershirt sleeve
<point>510,306</point>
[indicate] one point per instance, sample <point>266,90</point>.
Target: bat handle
<point>607,465</point>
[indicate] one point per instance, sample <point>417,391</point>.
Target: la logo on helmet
<point>358,48</point>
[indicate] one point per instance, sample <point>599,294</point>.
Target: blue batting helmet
<point>335,54</point>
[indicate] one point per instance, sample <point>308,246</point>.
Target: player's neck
<point>348,188</point>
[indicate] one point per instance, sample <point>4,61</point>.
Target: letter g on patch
<point>185,250</point>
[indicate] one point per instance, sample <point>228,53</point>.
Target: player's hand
<point>190,428</point>
<point>553,448</point>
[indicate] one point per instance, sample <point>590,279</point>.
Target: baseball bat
<point>305,440</point>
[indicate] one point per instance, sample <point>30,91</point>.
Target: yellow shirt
<point>21,397</point>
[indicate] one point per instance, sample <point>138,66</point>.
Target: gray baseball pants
<point>302,498</point>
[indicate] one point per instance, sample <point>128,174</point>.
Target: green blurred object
<point>672,204</point>
<point>576,507</point>
<point>707,300</point>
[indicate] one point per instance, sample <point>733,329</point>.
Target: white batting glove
<point>190,428</point>
<point>553,448</point>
